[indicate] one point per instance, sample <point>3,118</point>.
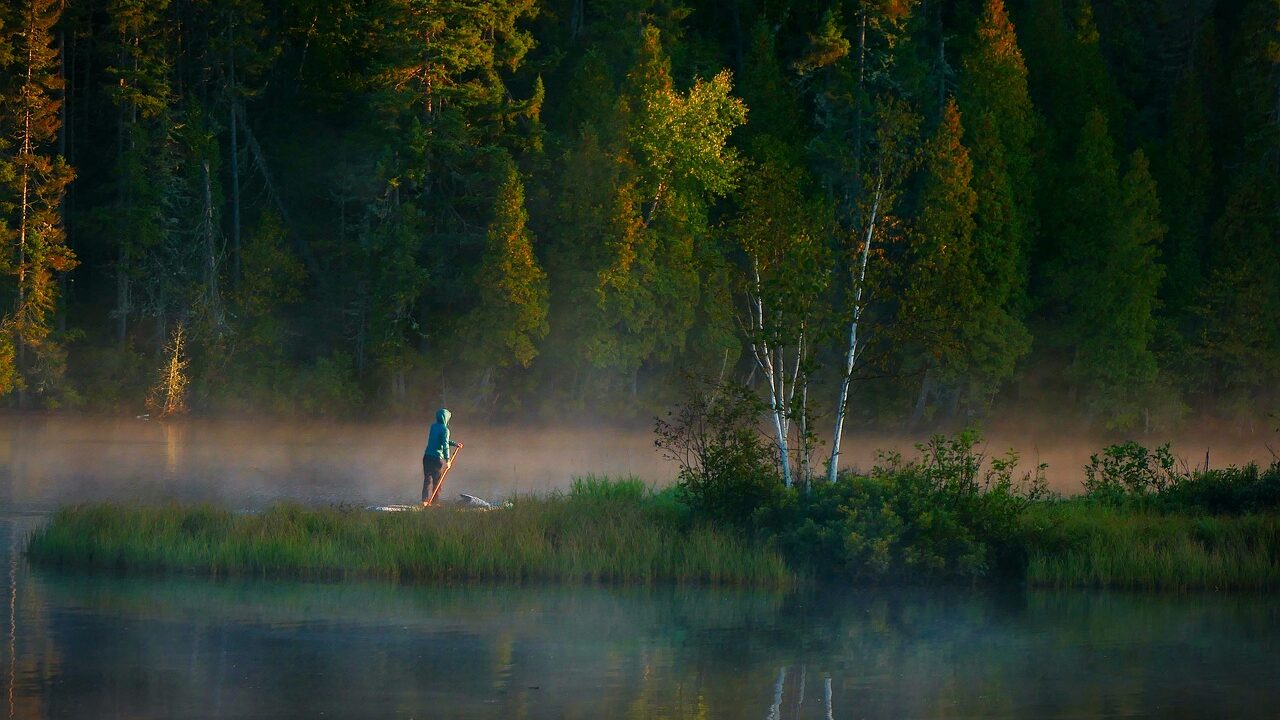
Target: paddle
<point>443,475</point>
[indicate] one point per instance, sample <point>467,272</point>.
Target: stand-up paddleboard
<point>465,501</point>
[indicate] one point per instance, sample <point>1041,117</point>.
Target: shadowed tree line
<point>353,207</point>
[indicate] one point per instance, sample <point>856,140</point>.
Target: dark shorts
<point>432,467</point>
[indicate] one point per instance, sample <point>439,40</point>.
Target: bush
<point>1131,475</point>
<point>1129,470</point>
<point>1232,490</point>
<point>727,472</point>
<point>953,513</point>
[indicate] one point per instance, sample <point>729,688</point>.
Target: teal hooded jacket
<point>438,442</point>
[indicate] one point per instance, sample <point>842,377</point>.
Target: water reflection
<point>95,646</point>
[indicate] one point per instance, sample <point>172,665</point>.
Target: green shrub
<point>727,472</point>
<point>1128,471</point>
<point>1132,475</point>
<point>953,513</point>
<point>1232,490</point>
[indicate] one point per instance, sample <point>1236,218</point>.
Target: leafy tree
<point>781,234</point>
<point>891,157</point>
<point>673,161</point>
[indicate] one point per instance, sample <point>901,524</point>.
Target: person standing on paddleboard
<point>438,455</point>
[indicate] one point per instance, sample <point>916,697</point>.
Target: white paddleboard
<point>394,508</point>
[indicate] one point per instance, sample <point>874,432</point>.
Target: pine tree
<point>34,245</point>
<point>1002,122</point>
<point>139,88</point>
<point>1238,348</point>
<point>512,316</point>
<point>943,283</point>
<point>1106,276</point>
<point>1186,189</point>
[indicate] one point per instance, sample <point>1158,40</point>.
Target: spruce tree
<point>35,181</point>
<point>1001,338</point>
<point>512,316</point>
<point>943,284</point>
<point>1186,191</point>
<point>1002,126</point>
<point>1106,275</point>
<point>1238,348</point>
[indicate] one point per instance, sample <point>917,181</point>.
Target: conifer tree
<point>1106,277</point>
<point>1001,338</point>
<point>1002,123</point>
<point>956,303</point>
<point>1238,348</point>
<point>1186,190</point>
<point>35,181</point>
<point>139,88</point>
<point>512,316</point>
<point>943,282</point>
<point>942,286</point>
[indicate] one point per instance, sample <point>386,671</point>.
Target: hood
<point>442,416</point>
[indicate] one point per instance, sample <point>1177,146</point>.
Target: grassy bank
<point>599,531</point>
<point>947,517</point>
<point>1083,544</point>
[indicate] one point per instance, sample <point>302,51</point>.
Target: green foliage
<point>1084,545</point>
<point>1129,469</point>
<point>1231,490</point>
<point>953,513</point>
<point>600,531</point>
<point>375,144</point>
<point>673,160</point>
<point>1131,475</point>
<point>512,316</point>
<point>1106,277</point>
<point>9,377</point>
<point>33,180</point>
<point>727,471</point>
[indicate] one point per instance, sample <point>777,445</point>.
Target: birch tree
<point>781,235</point>
<point>889,161</point>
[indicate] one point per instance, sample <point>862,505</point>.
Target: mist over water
<point>48,461</point>
<point>104,646</point>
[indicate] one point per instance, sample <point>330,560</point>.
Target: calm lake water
<point>96,646</point>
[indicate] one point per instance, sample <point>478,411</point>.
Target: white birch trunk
<point>775,710</point>
<point>851,352</point>
<point>775,375</point>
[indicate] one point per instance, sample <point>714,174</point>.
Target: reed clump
<point>1078,543</point>
<point>598,531</point>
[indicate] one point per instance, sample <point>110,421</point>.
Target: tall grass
<point>599,531</point>
<point>1082,544</point>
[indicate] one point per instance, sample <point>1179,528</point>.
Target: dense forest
<point>921,211</point>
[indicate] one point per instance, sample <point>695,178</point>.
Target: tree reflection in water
<point>103,646</point>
